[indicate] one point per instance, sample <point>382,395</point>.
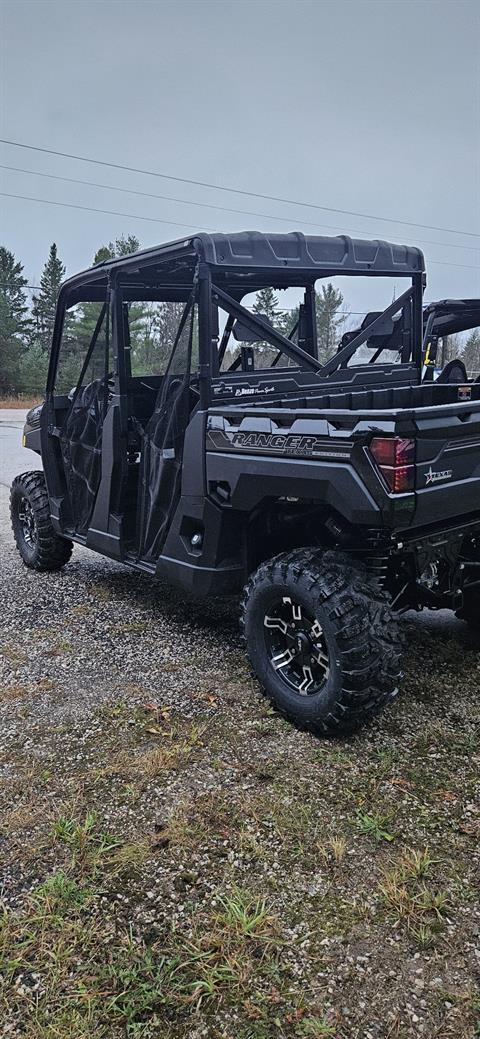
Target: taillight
<point>395,458</point>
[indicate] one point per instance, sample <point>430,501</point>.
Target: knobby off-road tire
<point>39,545</point>
<point>323,608</point>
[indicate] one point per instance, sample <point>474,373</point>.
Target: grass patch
<point>374,826</point>
<point>9,693</point>
<point>61,964</point>
<point>412,899</point>
<point>13,655</point>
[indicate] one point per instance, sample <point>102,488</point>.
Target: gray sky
<point>369,105</point>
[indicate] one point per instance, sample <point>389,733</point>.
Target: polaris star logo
<point>432,477</point>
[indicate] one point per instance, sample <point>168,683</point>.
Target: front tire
<point>321,639</point>
<point>39,545</point>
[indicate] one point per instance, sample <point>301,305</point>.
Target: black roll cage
<point>285,345</point>
<point>227,269</point>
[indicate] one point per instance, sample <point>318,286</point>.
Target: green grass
<point>87,844</point>
<point>249,858</point>
<point>98,977</point>
<point>316,1028</point>
<point>374,826</point>
<point>244,915</point>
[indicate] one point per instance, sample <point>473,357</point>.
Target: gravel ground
<point>179,862</point>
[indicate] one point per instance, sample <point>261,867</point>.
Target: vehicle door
<point>80,384</point>
<point>164,432</point>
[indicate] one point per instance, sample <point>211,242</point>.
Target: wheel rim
<point>27,521</point>
<point>296,646</point>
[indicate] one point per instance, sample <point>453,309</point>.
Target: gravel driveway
<point>178,861</point>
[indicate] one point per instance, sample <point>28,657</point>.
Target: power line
<point>5,285</point>
<point>235,191</point>
<point>108,212</point>
<point>208,205</point>
<point>172,223</point>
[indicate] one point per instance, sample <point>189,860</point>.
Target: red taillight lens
<point>393,451</point>
<point>395,457</point>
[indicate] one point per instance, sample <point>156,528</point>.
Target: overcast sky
<point>366,106</point>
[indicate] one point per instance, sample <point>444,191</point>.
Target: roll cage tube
<point>91,348</point>
<point>283,344</point>
<point>429,355</point>
<point>414,295</point>
<point>238,360</point>
<point>347,352</point>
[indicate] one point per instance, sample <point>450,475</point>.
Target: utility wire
<point>235,191</point>
<point>36,288</point>
<point>209,205</point>
<point>108,212</point>
<point>172,223</point>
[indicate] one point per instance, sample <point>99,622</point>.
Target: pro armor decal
<point>243,391</point>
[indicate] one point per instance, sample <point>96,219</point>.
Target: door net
<point>163,438</point>
<point>81,432</point>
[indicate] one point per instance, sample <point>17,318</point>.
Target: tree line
<point>26,329</point>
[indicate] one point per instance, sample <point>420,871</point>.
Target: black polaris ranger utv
<point>334,494</point>
<point>444,318</point>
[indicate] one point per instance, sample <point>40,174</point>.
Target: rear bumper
<point>465,526</point>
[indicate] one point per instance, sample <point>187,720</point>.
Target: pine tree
<point>102,254</point>
<point>471,353</point>
<point>44,305</point>
<point>329,316</point>
<point>14,322</point>
<point>266,304</point>
<point>328,305</point>
<point>33,368</point>
<point>122,246</point>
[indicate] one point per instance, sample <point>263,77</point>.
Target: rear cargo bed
<point>445,428</point>
<point>426,395</point>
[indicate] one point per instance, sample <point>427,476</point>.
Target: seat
<point>454,371</point>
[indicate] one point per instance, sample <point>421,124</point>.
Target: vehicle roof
<point>454,315</point>
<point>284,255</point>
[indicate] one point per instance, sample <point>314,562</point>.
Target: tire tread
<point>52,551</point>
<point>367,632</point>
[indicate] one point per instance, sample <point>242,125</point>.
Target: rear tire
<point>39,545</point>
<point>321,639</point>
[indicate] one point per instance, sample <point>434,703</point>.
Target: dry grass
<point>411,897</point>
<point>20,692</point>
<point>10,693</point>
<point>20,401</point>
